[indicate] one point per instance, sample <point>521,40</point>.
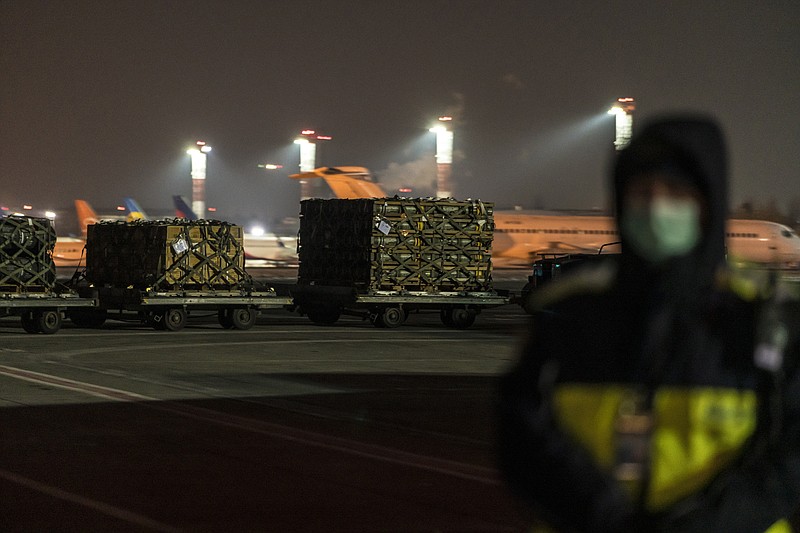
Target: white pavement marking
<point>98,391</point>
<point>379,453</point>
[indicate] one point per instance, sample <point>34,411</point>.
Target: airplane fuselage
<point>520,237</point>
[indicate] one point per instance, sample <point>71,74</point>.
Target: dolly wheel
<point>243,317</point>
<point>458,317</point>
<point>390,317</point>
<point>174,319</point>
<point>463,318</point>
<point>48,321</point>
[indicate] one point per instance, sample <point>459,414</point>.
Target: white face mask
<point>663,228</point>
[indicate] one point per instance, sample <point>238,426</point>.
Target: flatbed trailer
<point>42,312</point>
<point>170,310</point>
<point>324,305</point>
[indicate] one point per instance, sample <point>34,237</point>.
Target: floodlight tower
<point>198,154</point>
<point>444,157</point>
<point>623,111</point>
<point>308,156</point>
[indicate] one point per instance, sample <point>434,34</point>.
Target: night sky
<point>100,99</point>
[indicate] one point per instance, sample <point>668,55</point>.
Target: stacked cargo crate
<point>396,244</point>
<point>26,254</point>
<point>166,255</point>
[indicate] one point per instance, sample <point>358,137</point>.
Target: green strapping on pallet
<point>414,244</point>
<point>167,255</point>
<point>26,254</point>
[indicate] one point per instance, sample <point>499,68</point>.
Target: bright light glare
<point>205,149</point>
<point>437,129</point>
<point>50,214</point>
<point>258,231</point>
<point>301,141</point>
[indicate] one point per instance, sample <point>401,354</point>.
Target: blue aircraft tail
<point>134,211</point>
<point>182,209</point>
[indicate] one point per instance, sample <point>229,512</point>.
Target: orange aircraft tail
<point>86,215</point>
<point>346,182</point>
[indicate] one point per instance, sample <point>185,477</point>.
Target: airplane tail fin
<point>346,182</point>
<point>182,209</point>
<point>86,215</point>
<point>134,211</point>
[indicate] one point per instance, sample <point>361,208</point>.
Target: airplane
<point>522,236</point>
<point>69,251</point>
<point>259,250</point>
<point>346,182</point>
<point>134,211</point>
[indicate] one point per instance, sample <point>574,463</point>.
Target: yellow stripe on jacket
<point>697,432</point>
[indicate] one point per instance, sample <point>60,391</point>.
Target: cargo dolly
<point>42,312</point>
<point>383,258</point>
<point>324,305</point>
<point>160,272</point>
<point>170,310</point>
<point>28,287</point>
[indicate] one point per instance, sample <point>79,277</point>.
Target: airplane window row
<point>743,235</point>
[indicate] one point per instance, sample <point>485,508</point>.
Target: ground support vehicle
<point>170,310</point>
<point>550,267</point>
<point>42,312</point>
<point>324,305</point>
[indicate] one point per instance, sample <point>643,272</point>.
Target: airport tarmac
<point>285,427</point>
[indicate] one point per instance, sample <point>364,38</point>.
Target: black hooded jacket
<point>724,445</point>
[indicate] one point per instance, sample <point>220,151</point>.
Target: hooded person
<point>638,403</point>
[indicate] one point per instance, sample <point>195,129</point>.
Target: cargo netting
<point>166,255</point>
<point>26,254</point>
<point>396,244</point>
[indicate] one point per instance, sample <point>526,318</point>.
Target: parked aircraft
<point>69,251</point>
<point>134,211</point>
<point>521,236</point>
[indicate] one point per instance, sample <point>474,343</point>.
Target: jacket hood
<point>692,147</point>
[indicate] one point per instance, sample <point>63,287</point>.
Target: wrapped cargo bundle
<point>166,255</point>
<point>396,244</point>
<point>26,254</point>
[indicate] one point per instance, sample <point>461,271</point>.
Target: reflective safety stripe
<point>781,526</point>
<point>697,432</point>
